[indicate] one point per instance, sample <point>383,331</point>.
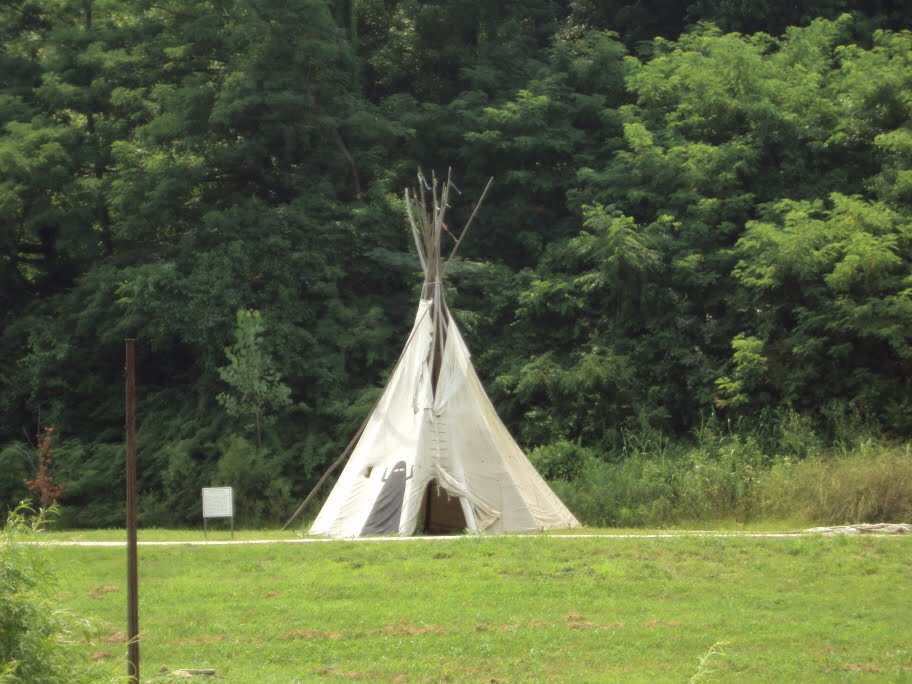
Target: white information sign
<point>218,502</point>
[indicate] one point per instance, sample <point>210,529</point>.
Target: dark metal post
<point>132,577</point>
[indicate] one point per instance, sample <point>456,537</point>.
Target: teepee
<point>433,456</point>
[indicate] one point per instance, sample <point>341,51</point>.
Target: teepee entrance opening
<point>441,512</point>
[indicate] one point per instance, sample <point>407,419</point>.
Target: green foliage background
<point>699,208</point>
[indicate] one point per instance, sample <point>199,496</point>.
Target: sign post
<point>218,502</point>
<point>132,577</point>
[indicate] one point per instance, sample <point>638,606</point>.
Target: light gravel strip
<point>318,540</point>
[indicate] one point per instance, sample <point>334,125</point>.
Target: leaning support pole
<point>132,576</point>
<point>329,471</point>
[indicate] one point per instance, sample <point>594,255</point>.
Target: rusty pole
<point>132,577</point>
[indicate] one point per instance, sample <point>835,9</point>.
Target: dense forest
<point>701,218</point>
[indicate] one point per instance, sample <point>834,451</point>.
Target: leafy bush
<point>629,493</point>
<point>261,494</point>
<point>34,635</point>
<point>560,460</point>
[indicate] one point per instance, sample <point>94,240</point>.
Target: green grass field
<point>491,609</point>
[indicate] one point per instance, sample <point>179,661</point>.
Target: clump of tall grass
<point>871,484</point>
<point>708,481</point>
<point>722,475</point>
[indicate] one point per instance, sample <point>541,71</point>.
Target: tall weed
<point>723,475</point>
<point>712,480</point>
<point>35,637</point>
<point>871,484</point>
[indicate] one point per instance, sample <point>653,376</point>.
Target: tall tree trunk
<point>349,159</point>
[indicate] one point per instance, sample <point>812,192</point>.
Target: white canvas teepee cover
<point>434,450</point>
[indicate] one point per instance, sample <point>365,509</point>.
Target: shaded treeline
<point>684,220</point>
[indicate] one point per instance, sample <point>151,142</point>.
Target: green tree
<point>256,387</point>
<point>710,218</point>
<point>829,286</point>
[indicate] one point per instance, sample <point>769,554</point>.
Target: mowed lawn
<point>491,609</point>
